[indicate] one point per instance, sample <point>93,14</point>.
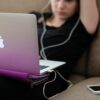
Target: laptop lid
<point>19,43</point>
<point>19,52</point>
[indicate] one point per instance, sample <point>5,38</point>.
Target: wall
<point>21,5</point>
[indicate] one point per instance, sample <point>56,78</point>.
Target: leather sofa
<point>87,70</point>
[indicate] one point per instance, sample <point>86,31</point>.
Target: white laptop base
<point>48,65</point>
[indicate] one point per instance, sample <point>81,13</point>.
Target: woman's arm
<point>89,15</point>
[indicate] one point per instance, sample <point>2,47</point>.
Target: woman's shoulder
<point>80,26</point>
<point>82,32</point>
<point>38,15</point>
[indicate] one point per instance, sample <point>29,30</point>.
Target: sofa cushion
<point>80,68</point>
<point>79,91</point>
<point>75,78</point>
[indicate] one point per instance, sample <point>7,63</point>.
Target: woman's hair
<point>47,7</point>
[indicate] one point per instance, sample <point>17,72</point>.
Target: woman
<point>68,31</point>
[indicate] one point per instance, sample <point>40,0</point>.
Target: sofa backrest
<point>89,64</point>
<point>21,5</point>
<point>94,58</point>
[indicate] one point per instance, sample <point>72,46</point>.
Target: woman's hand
<point>89,15</point>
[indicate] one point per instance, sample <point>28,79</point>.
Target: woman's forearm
<point>89,14</point>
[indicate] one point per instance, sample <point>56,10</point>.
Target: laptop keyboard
<point>43,67</point>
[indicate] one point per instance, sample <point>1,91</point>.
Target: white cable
<point>66,40</point>
<point>70,83</point>
<point>42,53</point>
<point>64,78</point>
<point>55,76</point>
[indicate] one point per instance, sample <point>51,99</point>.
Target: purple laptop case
<point>19,57</point>
<point>19,75</point>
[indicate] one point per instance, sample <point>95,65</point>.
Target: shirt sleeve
<point>83,34</point>
<point>84,31</point>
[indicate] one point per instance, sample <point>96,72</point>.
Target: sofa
<point>87,70</point>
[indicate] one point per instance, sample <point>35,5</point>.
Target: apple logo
<point>1,42</point>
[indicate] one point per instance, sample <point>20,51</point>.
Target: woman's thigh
<point>21,90</point>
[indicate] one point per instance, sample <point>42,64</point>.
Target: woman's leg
<point>14,89</point>
<point>10,88</point>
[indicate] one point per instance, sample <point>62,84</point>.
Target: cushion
<point>79,91</point>
<point>94,58</point>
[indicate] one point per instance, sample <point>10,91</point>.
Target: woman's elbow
<point>91,24</point>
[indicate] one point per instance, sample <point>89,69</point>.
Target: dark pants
<point>16,90</point>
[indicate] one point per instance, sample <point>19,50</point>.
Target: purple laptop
<point>19,53</point>
<point>18,45</point>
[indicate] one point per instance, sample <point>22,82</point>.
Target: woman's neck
<point>55,21</point>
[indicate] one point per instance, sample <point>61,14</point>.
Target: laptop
<point>19,52</point>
